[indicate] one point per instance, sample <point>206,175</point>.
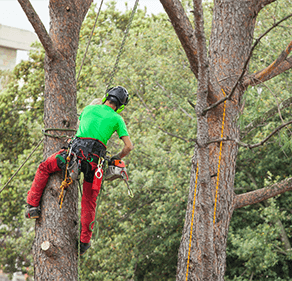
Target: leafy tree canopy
<point>139,238</point>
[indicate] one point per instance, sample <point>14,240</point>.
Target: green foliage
<point>21,108</point>
<point>139,238</point>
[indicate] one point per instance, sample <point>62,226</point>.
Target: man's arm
<point>128,146</point>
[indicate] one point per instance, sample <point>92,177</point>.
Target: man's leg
<point>91,188</point>
<point>41,178</point>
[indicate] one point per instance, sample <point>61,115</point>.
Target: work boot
<point>32,212</point>
<point>84,247</point>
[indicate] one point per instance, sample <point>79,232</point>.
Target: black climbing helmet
<point>119,95</point>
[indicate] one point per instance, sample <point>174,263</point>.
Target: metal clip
<point>98,172</point>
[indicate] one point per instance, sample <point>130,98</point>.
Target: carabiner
<point>98,172</point>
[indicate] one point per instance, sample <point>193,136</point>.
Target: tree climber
<point>97,124</point>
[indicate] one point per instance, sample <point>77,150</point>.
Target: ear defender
<point>120,109</point>
<point>104,98</point>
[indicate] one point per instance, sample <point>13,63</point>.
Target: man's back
<point>100,122</point>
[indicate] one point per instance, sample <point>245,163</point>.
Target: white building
<point>11,40</point>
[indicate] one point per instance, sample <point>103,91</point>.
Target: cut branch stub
<point>49,249</point>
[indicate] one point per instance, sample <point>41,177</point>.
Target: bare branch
<point>262,194</point>
<point>38,27</point>
<point>278,105</point>
<point>253,145</point>
<point>184,31</point>
<point>259,121</point>
<point>191,104</point>
<point>267,138</point>
<point>245,66</point>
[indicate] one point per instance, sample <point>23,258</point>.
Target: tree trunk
<point>231,39</point>
<point>56,259</point>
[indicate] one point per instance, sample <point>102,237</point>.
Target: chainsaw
<point>117,170</point>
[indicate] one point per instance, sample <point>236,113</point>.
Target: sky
<point>11,13</point>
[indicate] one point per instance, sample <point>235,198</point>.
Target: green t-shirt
<point>100,122</point>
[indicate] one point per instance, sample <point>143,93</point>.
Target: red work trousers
<point>88,201</point>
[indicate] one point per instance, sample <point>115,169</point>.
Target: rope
<point>122,45</point>
<point>192,222</point>
<point>38,144</point>
<point>217,187</point>
<point>65,183</point>
<point>44,131</point>
<point>88,43</point>
<point>219,161</point>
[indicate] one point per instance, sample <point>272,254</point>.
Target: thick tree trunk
<point>55,252</point>
<point>231,40</point>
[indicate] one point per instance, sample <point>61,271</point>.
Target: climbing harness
<point>217,187</point>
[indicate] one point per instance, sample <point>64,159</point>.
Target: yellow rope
<point>216,195</point>
<point>65,183</point>
<point>192,223</point>
<point>219,161</point>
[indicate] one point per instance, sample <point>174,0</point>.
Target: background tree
<point>222,74</point>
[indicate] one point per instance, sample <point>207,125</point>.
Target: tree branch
<point>184,31</point>
<point>82,7</point>
<point>267,138</point>
<point>270,72</point>
<point>245,66</point>
<point>38,27</point>
<point>260,4</point>
<point>203,74</point>
<point>262,194</point>
<point>259,121</point>
<point>253,145</point>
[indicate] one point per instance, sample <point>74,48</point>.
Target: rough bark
<point>229,50</point>
<point>59,227</point>
<point>198,263</point>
